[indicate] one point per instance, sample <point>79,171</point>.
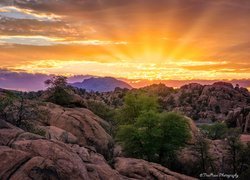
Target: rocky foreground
<point>54,142</point>
<point>72,145</point>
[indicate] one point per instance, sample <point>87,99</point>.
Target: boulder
<point>38,158</point>
<point>11,160</point>
<point>140,169</point>
<point>25,155</point>
<point>69,125</point>
<point>55,133</point>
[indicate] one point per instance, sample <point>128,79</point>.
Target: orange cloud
<point>159,39</point>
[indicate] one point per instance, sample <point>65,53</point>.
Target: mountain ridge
<point>101,84</point>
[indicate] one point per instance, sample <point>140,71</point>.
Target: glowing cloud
<point>21,13</point>
<point>156,39</point>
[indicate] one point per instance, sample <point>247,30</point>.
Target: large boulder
<point>25,155</point>
<point>140,169</point>
<point>55,133</point>
<point>69,125</point>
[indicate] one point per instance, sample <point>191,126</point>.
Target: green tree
<point>244,169</point>
<point>128,137</point>
<point>217,130</point>
<point>235,148</point>
<point>5,103</point>
<point>135,104</point>
<point>139,140</point>
<point>147,125</point>
<point>154,136</point>
<point>56,82</point>
<point>101,109</point>
<point>58,90</point>
<point>238,154</point>
<point>205,160</point>
<point>174,133</point>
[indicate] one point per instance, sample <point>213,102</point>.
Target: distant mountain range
<point>23,81</point>
<point>101,84</point>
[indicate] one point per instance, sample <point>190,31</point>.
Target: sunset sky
<point>132,39</point>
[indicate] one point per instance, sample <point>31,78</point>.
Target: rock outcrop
<point>25,155</point>
<point>79,125</point>
<point>28,156</point>
<point>68,125</point>
<point>209,103</point>
<point>140,169</point>
<point>203,103</point>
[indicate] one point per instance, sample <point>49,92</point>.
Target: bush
<point>174,133</point>
<point>215,131</point>
<point>135,104</point>
<point>101,109</point>
<point>154,136</point>
<point>61,97</point>
<point>59,91</point>
<point>105,112</point>
<point>29,127</point>
<point>6,101</point>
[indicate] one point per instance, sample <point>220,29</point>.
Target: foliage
<point>159,89</point>
<point>59,90</point>
<point>105,112</point>
<point>29,127</point>
<point>244,168</point>
<point>135,104</point>
<point>217,130</point>
<point>174,133</point>
<point>235,148</point>
<point>5,102</point>
<point>152,135</point>
<point>101,109</point>
<point>205,160</point>
<point>57,82</point>
<point>139,139</point>
<point>61,97</point>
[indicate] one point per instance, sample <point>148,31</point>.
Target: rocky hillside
<point>203,103</point>
<point>41,140</point>
<point>218,102</point>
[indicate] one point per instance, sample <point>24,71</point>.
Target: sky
<point>147,40</point>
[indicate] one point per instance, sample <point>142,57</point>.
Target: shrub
<point>154,136</point>
<point>135,104</point>
<point>217,130</point>
<point>59,91</point>
<point>61,97</point>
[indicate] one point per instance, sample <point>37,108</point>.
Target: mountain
<point>101,84</point>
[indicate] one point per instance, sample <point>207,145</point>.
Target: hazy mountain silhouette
<point>101,84</point>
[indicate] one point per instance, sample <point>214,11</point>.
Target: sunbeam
<point>163,39</point>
